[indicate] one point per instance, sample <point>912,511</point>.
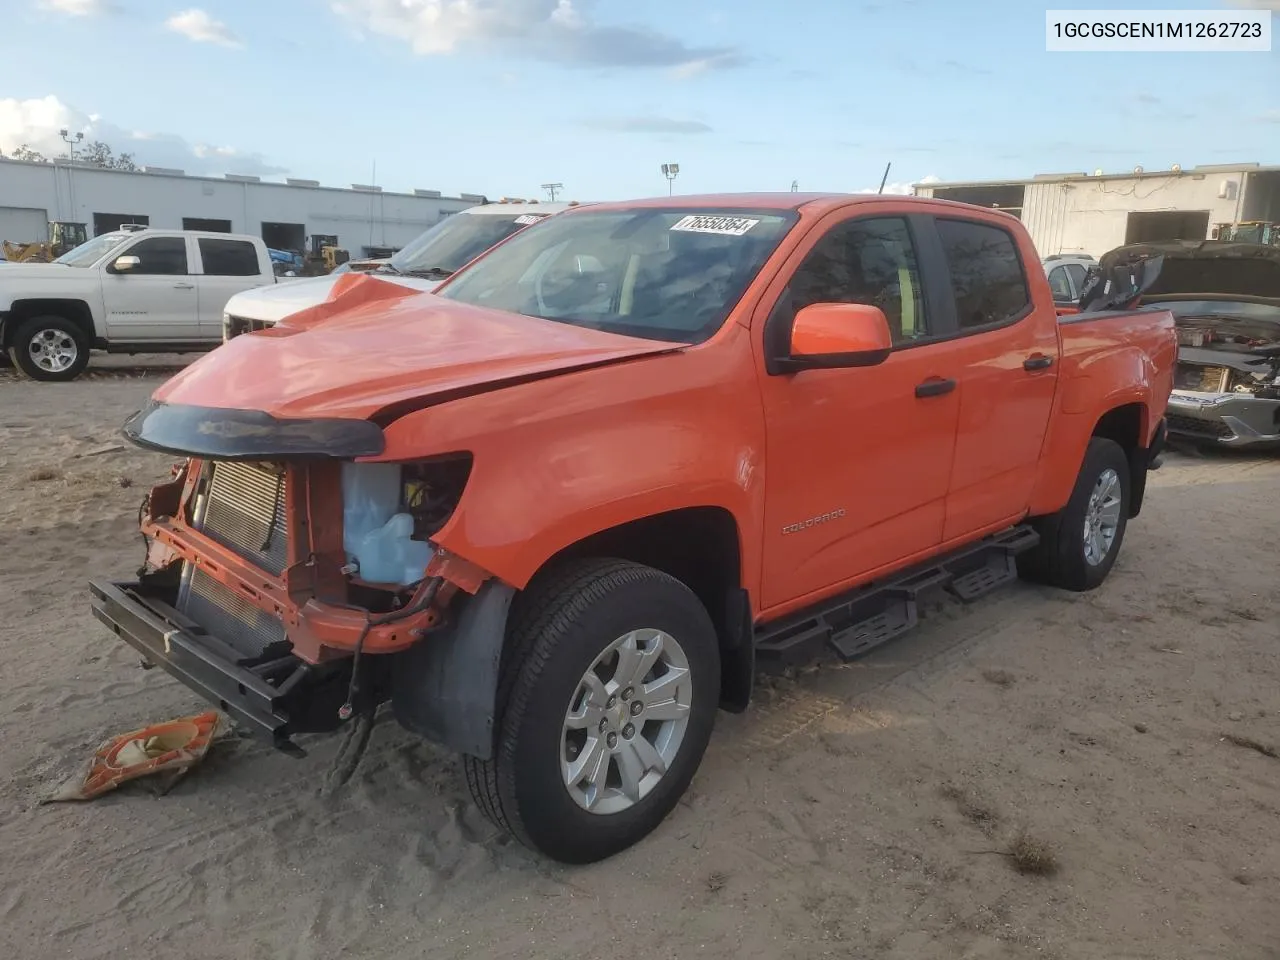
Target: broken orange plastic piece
<point>173,747</point>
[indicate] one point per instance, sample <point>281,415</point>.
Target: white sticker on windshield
<point>531,218</point>
<point>726,226</point>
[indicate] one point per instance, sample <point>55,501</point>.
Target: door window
<point>986,273</point>
<point>165,256</point>
<point>228,258</point>
<point>870,261</point>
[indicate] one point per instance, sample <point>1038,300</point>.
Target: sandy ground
<point>856,811</point>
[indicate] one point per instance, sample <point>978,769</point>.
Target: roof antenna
<point>885,178</point>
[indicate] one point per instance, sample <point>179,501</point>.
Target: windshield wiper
<point>433,273</point>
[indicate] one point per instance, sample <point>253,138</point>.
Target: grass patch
<point>1033,856</point>
<point>44,475</point>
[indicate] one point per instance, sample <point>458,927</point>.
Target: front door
<point>155,301</point>
<point>1007,360</point>
<point>858,459</point>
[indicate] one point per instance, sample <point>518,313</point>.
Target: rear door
<point>156,300</point>
<point>858,458</point>
<point>1006,351</point>
<point>227,268</point>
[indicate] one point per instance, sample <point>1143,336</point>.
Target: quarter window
<point>228,258</point>
<point>166,256</point>
<point>871,261</point>
<point>986,273</point>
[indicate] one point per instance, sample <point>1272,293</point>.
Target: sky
<point>497,97</point>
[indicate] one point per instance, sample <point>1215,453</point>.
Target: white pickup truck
<point>140,291</point>
<point>423,265</point>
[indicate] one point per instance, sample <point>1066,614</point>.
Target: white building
<point>366,220</point>
<point>1082,213</point>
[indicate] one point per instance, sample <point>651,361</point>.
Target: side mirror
<point>124,264</point>
<point>826,335</point>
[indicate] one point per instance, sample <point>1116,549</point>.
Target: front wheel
<point>608,695</point>
<point>50,348</point>
<point>1079,544</point>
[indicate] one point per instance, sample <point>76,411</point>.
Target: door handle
<point>935,387</point>
<point>1038,361</point>
<point>184,286</point>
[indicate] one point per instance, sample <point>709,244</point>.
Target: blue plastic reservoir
<point>376,537</point>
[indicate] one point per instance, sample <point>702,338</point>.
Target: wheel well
<point>77,311</point>
<point>1124,426</point>
<point>699,546</point>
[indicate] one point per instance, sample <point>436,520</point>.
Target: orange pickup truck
<point>557,513</point>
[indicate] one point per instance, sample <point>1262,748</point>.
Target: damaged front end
<point>284,580</point>
<point>1227,383</point>
<point>1225,299</point>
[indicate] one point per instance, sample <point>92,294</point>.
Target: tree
<point>31,156</point>
<point>98,154</point>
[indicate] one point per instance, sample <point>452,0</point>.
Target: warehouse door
<point>1167,225</point>
<point>24,224</point>
<point>285,236</point>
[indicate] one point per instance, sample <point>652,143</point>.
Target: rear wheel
<point>606,703</point>
<point>1079,544</point>
<point>49,348</point>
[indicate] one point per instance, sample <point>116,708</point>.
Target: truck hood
<point>272,304</point>
<point>1205,269</point>
<point>393,351</point>
<point>39,271</point>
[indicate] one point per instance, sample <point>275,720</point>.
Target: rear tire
<point>1079,544</point>
<point>49,348</point>
<point>606,701</point>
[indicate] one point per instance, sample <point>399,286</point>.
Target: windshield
<point>457,240</point>
<point>663,274</point>
<point>91,251</point>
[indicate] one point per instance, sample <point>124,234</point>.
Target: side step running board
<point>861,620</point>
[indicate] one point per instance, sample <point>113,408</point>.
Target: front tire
<point>606,702</point>
<point>1079,544</point>
<point>49,348</point>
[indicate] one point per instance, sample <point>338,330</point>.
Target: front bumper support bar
<point>272,698</point>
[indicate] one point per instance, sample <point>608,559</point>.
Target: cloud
<point>1270,116</point>
<point>36,123</point>
<point>563,32</point>
<point>901,188</point>
<point>196,25</point>
<point>648,125</point>
<point>78,8</point>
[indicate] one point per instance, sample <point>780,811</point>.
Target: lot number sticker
<point>726,226</point>
<point>530,218</point>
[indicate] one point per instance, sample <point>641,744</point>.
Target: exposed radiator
<point>242,508</point>
<point>228,616</point>
<point>245,511</point>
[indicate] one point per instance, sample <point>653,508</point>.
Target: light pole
<point>552,189</point>
<point>71,141</point>
<point>671,171</point>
